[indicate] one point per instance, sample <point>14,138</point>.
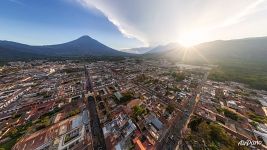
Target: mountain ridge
<point>247,49</point>
<point>82,46</point>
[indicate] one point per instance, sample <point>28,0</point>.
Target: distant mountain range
<point>164,48</point>
<point>239,49</point>
<point>152,49</point>
<point>138,50</point>
<point>83,46</point>
<point>248,49</point>
<point>245,49</point>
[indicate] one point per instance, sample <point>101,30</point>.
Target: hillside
<point>215,51</point>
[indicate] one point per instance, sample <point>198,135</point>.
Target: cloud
<point>250,9</point>
<point>158,22</point>
<point>17,2</point>
<point>123,27</point>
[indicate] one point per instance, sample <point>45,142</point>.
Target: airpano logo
<point>249,143</point>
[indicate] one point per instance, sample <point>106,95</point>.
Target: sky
<point>126,23</point>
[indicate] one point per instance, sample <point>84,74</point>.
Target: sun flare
<point>190,39</point>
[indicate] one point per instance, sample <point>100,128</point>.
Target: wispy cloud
<point>126,30</point>
<point>157,22</point>
<point>127,33</point>
<point>17,2</point>
<point>250,9</point>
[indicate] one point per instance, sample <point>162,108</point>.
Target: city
<point>125,104</point>
<point>133,75</point>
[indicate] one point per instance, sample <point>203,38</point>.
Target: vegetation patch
<point>252,73</point>
<point>178,76</point>
<point>74,112</point>
<point>209,135</point>
<point>170,108</point>
<point>257,118</point>
<point>139,111</point>
<point>15,134</point>
<point>231,114</point>
<point>126,97</point>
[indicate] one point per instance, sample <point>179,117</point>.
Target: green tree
<point>170,108</point>
<point>138,111</point>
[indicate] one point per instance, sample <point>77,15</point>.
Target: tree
<point>214,136</point>
<point>74,112</point>
<point>257,118</point>
<point>178,76</point>
<point>194,123</point>
<point>13,132</point>
<point>231,114</point>
<point>170,108</point>
<point>138,111</point>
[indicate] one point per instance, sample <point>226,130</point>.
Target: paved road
<point>96,130</point>
<point>174,135</point>
<point>88,82</point>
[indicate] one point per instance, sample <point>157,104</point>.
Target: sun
<point>186,43</point>
<point>190,39</point>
